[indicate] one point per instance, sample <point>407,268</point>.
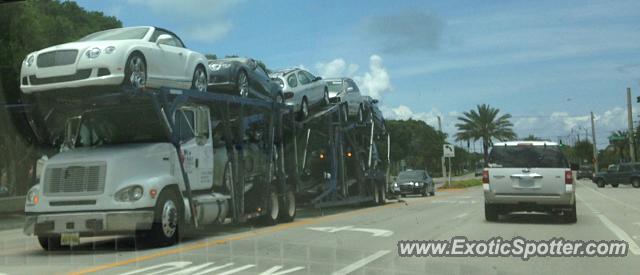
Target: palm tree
<point>484,123</point>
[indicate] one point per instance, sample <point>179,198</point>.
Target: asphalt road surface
<point>357,240</point>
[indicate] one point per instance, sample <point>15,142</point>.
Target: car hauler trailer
<point>338,161</point>
<point>177,158</point>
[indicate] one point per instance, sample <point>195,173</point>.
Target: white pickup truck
<point>118,174</point>
<point>528,176</point>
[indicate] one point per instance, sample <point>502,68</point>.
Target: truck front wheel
<point>165,228</point>
<point>49,243</point>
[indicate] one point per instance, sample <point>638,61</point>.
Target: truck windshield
<point>527,156</point>
<point>116,126</point>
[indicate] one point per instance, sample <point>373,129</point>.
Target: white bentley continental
<point>132,56</point>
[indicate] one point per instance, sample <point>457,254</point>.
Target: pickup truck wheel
<point>272,212</point>
<point>635,183</point>
<point>165,229</point>
<point>600,183</point>
<point>571,216</point>
<point>288,210</point>
<point>490,212</point>
<point>50,243</point>
<point>614,185</point>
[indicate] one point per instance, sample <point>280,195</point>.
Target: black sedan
<point>414,182</point>
<point>244,77</point>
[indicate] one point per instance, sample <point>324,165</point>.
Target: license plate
<point>70,239</point>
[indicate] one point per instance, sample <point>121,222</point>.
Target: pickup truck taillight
<point>568,177</point>
<point>485,176</point>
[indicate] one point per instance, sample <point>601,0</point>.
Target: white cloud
<point>201,20</point>
<point>373,83</point>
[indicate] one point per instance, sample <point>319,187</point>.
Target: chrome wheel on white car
<point>136,71</point>
<point>199,81</point>
<point>243,84</point>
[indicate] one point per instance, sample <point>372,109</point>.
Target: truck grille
<point>75,179</point>
<point>57,58</point>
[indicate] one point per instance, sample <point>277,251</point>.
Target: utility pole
<point>632,151</point>
<point>595,150</point>
<point>442,160</point>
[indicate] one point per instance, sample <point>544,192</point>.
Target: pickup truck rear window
<point>527,156</point>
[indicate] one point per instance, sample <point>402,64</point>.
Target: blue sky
<point>548,63</point>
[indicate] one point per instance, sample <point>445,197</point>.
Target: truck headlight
<point>93,53</point>
<point>416,184</point>
<point>33,196</point>
<point>395,184</point>
<point>129,194</point>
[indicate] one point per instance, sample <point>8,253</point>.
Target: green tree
<point>620,140</point>
<point>584,151</point>
<point>416,142</point>
<point>484,124</point>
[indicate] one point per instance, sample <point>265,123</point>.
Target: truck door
<point>196,146</point>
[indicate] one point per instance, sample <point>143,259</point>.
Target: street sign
<point>448,151</point>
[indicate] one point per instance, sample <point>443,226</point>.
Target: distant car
<point>585,171</point>
<point>133,56</point>
<point>414,182</point>
<point>243,77</point>
<point>528,176</point>
<point>301,90</point>
<point>346,90</point>
<point>625,173</point>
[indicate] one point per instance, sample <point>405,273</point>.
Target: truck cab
<point>119,173</point>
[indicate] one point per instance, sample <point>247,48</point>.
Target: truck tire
<point>288,210</point>
<point>165,228</point>
<point>635,183</point>
<point>600,183</point>
<point>50,243</point>
<point>490,212</point>
<point>272,211</point>
<point>571,216</point>
<point>614,185</point>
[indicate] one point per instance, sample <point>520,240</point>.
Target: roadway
<point>357,240</point>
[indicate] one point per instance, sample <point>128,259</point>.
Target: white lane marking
<point>235,270</point>
<point>612,199</point>
<point>461,216</point>
<point>633,247</point>
<point>161,268</point>
<point>374,231</point>
<point>355,266</point>
<point>272,271</point>
<point>192,269</point>
<point>213,269</point>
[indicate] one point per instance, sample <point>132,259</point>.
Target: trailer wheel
<point>272,213</point>
<point>288,210</point>
<point>165,228</point>
<point>50,243</point>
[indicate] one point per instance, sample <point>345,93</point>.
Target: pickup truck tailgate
<point>534,181</point>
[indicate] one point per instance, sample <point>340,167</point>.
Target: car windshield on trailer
<point>117,34</point>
